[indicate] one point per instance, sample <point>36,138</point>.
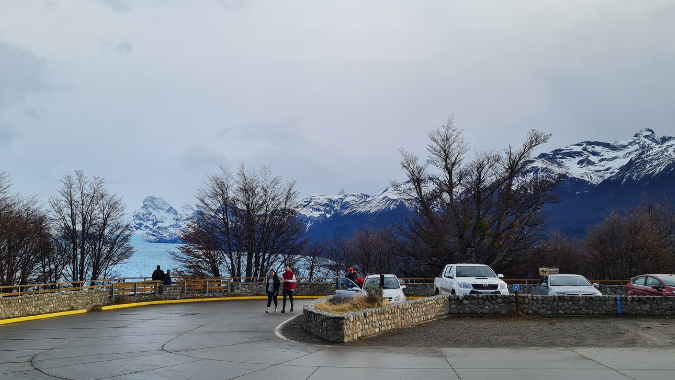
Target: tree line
<point>485,208</point>
<point>80,236</point>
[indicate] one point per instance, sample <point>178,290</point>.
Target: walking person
<point>289,287</point>
<point>273,284</point>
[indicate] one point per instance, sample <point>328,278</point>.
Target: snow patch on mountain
<point>159,221</point>
<point>594,161</point>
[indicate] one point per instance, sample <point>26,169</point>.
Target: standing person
<point>158,274</point>
<point>351,275</point>
<point>273,284</point>
<point>289,287</point>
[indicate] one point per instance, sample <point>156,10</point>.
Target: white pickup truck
<point>469,279</point>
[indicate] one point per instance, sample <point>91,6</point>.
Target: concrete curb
<point>41,316</point>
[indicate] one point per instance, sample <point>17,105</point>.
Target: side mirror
<point>544,285</point>
<point>596,285</point>
<point>448,276</point>
<point>500,276</point>
<point>402,286</point>
<point>657,287</point>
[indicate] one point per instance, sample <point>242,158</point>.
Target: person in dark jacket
<point>158,274</point>
<point>351,275</point>
<point>272,284</point>
<point>167,277</point>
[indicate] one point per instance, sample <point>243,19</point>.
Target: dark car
<point>651,285</point>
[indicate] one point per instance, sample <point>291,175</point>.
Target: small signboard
<point>516,287</point>
<point>547,271</point>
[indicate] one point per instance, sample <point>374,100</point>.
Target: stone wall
<point>347,327</point>
<point>350,326</point>
<point>34,304</point>
<point>418,290</point>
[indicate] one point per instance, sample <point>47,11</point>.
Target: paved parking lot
<point>228,340</point>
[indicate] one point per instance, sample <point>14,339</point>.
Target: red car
<point>651,285</point>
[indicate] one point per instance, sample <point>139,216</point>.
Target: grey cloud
<point>200,156</point>
<point>276,132</point>
<point>117,6</point>
<point>31,112</point>
<point>21,74</point>
<point>124,47</point>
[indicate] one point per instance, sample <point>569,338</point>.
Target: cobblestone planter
<point>350,326</point>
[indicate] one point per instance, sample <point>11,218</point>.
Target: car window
<point>668,280</point>
<point>475,271</point>
<point>640,281</point>
<point>448,272</point>
<point>569,281</point>
<point>346,284</point>
<point>652,281</point>
<point>543,281</point>
<point>372,281</point>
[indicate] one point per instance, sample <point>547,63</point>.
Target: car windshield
<point>569,281</point>
<point>389,282</point>
<point>667,280</point>
<point>475,271</point>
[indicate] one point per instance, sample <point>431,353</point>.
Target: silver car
<point>566,284</point>
<point>392,291</point>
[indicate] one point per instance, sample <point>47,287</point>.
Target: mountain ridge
<point>600,177</point>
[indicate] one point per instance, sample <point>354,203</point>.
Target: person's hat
<point>351,269</point>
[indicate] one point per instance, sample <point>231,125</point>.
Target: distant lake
<point>146,258</point>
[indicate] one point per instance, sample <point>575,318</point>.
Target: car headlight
<point>397,298</point>
<point>502,286</point>
<point>465,285</point>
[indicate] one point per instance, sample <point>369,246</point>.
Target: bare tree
<point>314,260</point>
<point>372,250</point>
<point>638,241</point>
<point>25,240</point>
<point>90,227</point>
<point>483,210</point>
<point>245,224</point>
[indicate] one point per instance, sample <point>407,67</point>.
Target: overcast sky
<point>153,94</point>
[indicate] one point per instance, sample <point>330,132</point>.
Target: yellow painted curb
<point>42,316</point>
<point>187,300</point>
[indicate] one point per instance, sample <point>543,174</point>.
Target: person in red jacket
<point>289,286</point>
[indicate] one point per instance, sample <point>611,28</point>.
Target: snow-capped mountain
<point>159,221</point>
<point>329,215</point>
<point>641,156</point>
<point>600,177</point>
<point>318,208</point>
